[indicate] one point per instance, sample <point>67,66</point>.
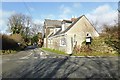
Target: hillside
<point>99,47</point>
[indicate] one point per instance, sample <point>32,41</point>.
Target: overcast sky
<point>100,12</point>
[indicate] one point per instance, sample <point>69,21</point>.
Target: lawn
<point>54,51</point>
<point>97,54</point>
<point>83,53</point>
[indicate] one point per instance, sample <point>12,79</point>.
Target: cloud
<point>77,5</point>
<point>31,8</point>
<point>50,16</point>
<point>64,11</point>
<point>4,15</point>
<point>103,15</point>
<point>47,16</point>
<point>102,9</point>
<point>67,12</point>
<point>38,21</point>
<point>39,24</point>
<point>60,1</point>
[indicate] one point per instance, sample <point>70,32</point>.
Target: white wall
<point>80,29</point>
<point>68,47</point>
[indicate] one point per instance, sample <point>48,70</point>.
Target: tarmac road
<point>35,63</point>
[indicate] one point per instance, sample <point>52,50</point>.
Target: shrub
<point>11,42</point>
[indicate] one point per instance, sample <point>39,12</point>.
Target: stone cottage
<point>64,35</point>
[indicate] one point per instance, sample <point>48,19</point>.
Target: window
<point>63,42</point>
<point>51,41</point>
<point>48,41</point>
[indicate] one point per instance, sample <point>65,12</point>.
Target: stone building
<point>64,35</point>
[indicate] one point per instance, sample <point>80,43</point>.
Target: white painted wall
<point>80,29</point>
<point>68,50</point>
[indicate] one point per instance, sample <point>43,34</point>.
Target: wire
<point>27,8</point>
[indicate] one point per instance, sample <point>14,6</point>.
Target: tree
<point>23,25</point>
<point>18,23</point>
<point>34,39</point>
<point>111,35</point>
<point>36,28</point>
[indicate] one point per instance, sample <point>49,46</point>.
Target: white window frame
<point>51,41</point>
<point>48,41</point>
<point>63,43</point>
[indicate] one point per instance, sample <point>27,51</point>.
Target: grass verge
<point>96,54</point>
<point>5,52</point>
<point>54,51</point>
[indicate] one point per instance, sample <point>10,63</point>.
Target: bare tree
<point>36,28</point>
<point>17,23</point>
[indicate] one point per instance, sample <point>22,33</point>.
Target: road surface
<point>36,63</point>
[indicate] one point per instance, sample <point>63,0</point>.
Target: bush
<point>99,47</point>
<point>11,42</point>
<point>8,52</point>
<point>112,38</point>
<point>8,43</point>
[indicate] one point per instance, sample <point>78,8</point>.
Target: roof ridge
<point>72,24</point>
<point>52,20</point>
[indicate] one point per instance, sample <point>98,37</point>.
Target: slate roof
<point>58,32</point>
<point>67,21</point>
<point>57,23</point>
<point>72,24</point>
<point>51,34</point>
<point>53,23</point>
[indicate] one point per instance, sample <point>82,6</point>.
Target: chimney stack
<point>73,19</point>
<point>63,26</point>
